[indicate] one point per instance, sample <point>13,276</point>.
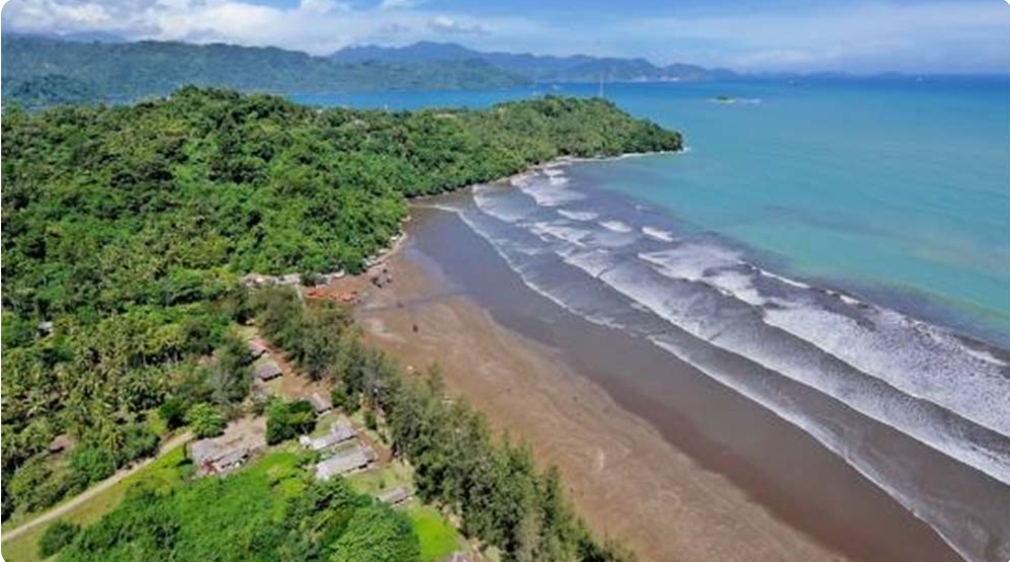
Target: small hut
<point>268,370</point>
<point>61,443</point>
<point>256,349</point>
<point>395,496</point>
<point>320,403</point>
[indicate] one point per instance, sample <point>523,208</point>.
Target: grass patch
<point>438,538</point>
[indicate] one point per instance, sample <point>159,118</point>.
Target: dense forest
<point>41,71</point>
<point>125,230</point>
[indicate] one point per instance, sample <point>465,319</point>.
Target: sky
<point>862,36</point>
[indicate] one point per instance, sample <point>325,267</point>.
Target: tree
<point>341,399</point>
<point>370,420</point>
<point>231,375</point>
<point>205,420</point>
<point>286,420</point>
<point>173,412</point>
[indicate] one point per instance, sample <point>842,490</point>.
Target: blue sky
<point>950,36</point>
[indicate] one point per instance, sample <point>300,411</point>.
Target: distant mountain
<point>76,37</point>
<point>37,69</point>
<point>425,51</point>
<point>575,68</point>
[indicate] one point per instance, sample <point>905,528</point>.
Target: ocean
<point>844,239</point>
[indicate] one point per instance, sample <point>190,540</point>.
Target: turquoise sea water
<point>896,190</point>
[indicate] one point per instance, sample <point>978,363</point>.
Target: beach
<point>655,453</point>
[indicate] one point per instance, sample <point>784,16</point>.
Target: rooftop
<point>353,459</point>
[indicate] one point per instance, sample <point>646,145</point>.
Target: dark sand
<point>655,452</point>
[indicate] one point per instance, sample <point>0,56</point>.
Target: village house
<point>256,349</point>
<point>267,369</point>
<point>60,443</point>
<point>219,455</point>
<point>340,431</point>
<point>358,458</point>
<point>320,403</point>
<point>394,496</point>
<point>217,458</point>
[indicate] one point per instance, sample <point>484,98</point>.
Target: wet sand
<point>673,488</point>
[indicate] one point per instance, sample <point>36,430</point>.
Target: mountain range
<point>540,68</point>
<point>40,71</point>
<point>45,70</point>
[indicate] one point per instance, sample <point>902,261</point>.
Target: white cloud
<point>322,6</point>
<point>445,24</point>
<point>316,26</point>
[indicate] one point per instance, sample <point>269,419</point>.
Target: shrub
<point>205,420</point>
<point>91,464</point>
<point>173,411</point>
<point>57,536</point>
<point>140,442</point>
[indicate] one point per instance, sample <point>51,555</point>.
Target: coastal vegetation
<point>265,512</point>
<point>126,231</point>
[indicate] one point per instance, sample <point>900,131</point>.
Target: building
<point>351,460</point>
<point>340,431</point>
<point>267,370</point>
<point>212,457</point>
<point>218,455</point>
<point>256,349</point>
<point>60,443</point>
<point>320,403</point>
<point>394,496</point>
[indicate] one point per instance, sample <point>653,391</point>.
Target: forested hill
<point>125,228</point>
<point>42,71</point>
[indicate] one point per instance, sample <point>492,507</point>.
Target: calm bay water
<point>839,237</point>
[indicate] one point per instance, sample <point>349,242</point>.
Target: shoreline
<point>670,491</point>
